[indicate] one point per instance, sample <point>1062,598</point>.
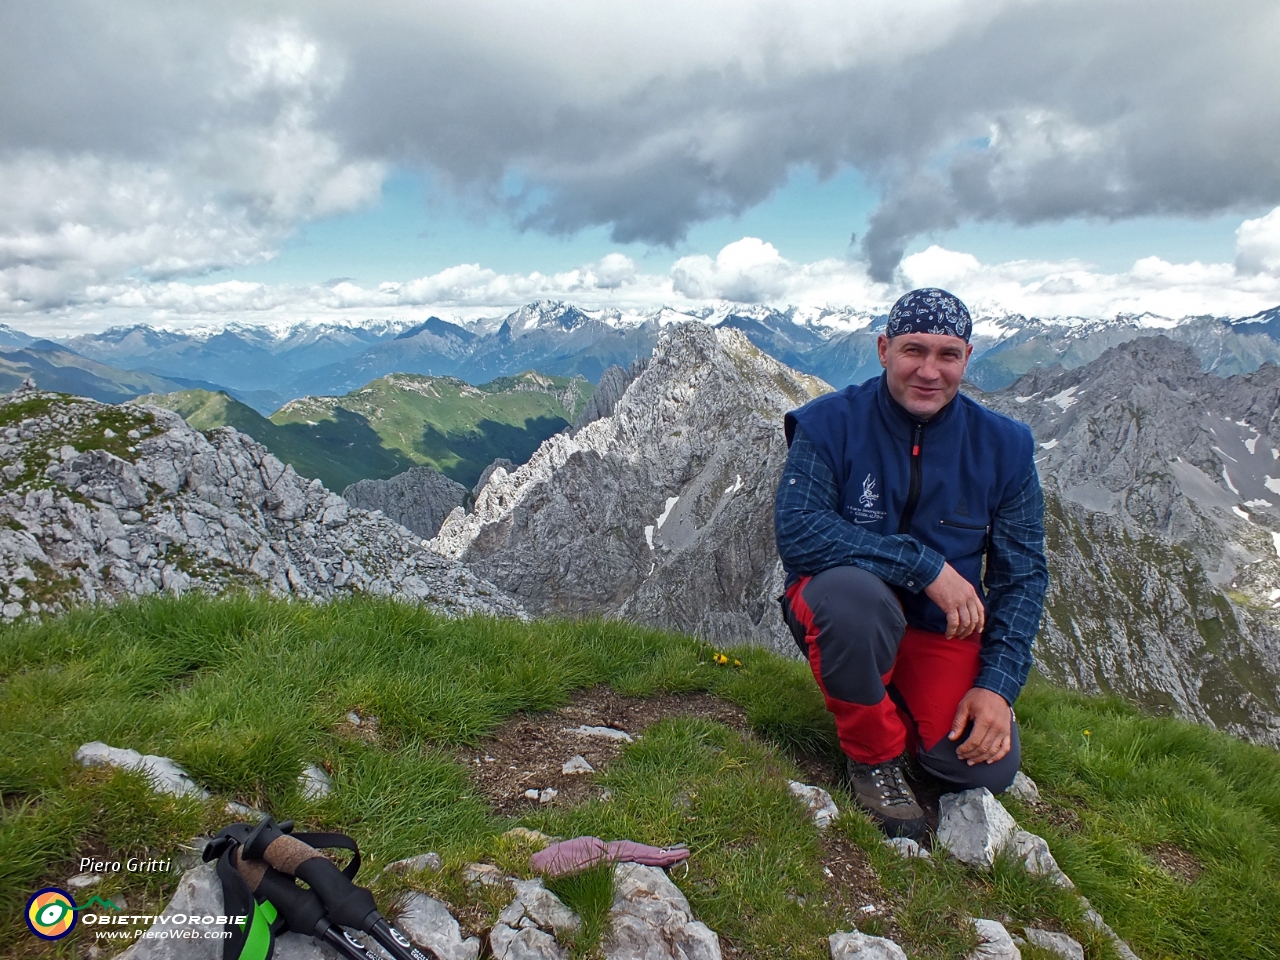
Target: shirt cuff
<point>997,681</point>
<point>924,571</point>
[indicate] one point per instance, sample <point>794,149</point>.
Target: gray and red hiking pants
<point>889,686</point>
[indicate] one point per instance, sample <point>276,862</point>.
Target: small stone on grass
<point>577,764</point>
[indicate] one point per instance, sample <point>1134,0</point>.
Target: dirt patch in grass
<point>529,752</point>
<point>854,888</point>
<point>1178,863</point>
<point>1064,818</point>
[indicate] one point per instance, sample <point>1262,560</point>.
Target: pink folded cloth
<point>570,856</point>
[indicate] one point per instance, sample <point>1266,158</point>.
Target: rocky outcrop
<point>502,463</point>
<point>662,512</point>
<point>1162,518</point>
<point>99,502</point>
<point>651,919</point>
<point>420,498</point>
<point>975,828</point>
<point>609,390</point>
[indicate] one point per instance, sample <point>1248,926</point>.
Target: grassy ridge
<point>244,692</point>
<point>398,422</point>
<point>455,427</point>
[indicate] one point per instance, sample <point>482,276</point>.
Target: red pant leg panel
<point>932,674</point>
<point>867,733</point>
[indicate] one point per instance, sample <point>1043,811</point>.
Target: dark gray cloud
<point>649,119</point>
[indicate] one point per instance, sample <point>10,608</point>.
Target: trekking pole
<point>302,911</point>
<point>346,903</point>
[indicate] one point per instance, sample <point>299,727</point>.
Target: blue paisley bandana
<point>930,310</point>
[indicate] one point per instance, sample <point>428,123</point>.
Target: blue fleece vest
<point>970,460</point>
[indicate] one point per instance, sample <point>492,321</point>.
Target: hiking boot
<point>882,791</point>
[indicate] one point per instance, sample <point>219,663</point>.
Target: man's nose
<point>928,369</point>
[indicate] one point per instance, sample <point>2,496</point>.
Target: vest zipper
<point>962,526</point>
<point>913,494</point>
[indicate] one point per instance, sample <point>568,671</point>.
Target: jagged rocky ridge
<point>612,385</point>
<point>1162,484</point>
<point>661,512</point>
<point>107,501</point>
<point>420,498</point>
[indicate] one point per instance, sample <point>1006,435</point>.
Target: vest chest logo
<point>864,510</point>
<point>869,495</point>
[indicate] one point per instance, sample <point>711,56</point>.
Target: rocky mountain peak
<point>1162,489</point>
<point>660,511</point>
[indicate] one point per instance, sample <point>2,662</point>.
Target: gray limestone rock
<point>429,924</point>
<point>1093,918</point>
<point>611,386</point>
<point>545,908</point>
<point>1059,943</point>
<point>1034,853</point>
<point>651,920</point>
<point>484,875</point>
<point>994,942</point>
<point>907,848</point>
<point>524,943</point>
<point>974,826</point>
<point>577,764</point>
<point>314,783</point>
<point>1024,788</point>
<point>502,463</point>
<point>420,498</point>
<point>422,862</point>
<point>819,806</point>
<point>861,946</point>
<point>199,895</point>
<point>189,510</point>
<point>532,925</point>
<point>165,775</point>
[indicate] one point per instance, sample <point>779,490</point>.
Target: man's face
<point>923,370</point>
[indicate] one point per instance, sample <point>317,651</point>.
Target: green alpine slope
<point>397,422</point>
<point>447,423</point>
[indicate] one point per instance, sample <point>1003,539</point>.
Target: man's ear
<point>882,348</point>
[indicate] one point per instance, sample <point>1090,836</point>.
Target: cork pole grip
<point>287,853</point>
<point>252,870</point>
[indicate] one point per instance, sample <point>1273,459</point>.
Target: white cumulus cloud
<point>1258,244</point>
<point>747,270</point>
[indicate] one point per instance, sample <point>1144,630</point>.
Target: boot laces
<point>893,786</point>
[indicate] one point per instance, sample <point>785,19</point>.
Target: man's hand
<point>959,601</point>
<point>992,734</point>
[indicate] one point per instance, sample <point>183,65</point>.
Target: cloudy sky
<point>179,162</point>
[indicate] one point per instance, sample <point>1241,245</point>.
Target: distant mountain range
<point>267,367</point>
<point>397,422</point>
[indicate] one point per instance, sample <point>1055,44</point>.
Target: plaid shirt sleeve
<point>1016,580</point>
<point>812,536</point>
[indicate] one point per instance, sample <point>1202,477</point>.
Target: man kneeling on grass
<point>894,493</point>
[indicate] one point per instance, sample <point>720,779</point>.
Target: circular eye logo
<point>51,913</point>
